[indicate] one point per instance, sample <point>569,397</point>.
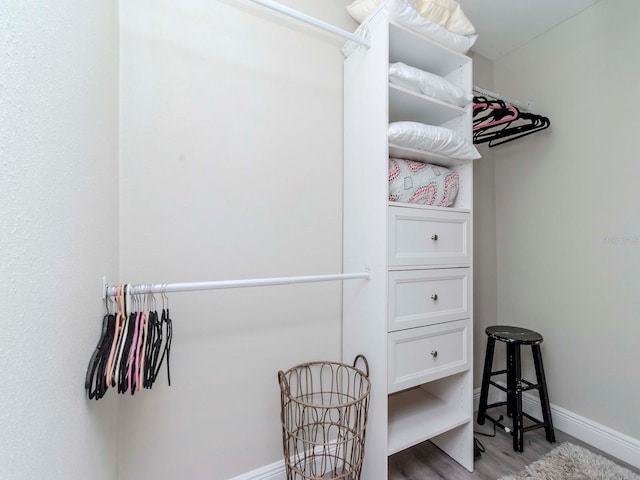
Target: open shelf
<point>416,415</point>
<point>430,56</point>
<point>409,105</point>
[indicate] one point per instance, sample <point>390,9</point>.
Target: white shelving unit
<point>413,318</point>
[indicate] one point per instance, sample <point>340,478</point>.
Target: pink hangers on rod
<point>497,122</point>
<point>514,114</point>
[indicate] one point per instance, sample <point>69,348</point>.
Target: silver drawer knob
<point>434,297</point>
<point>434,353</point>
<point>434,237</point>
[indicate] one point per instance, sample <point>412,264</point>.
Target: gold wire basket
<point>324,407</point>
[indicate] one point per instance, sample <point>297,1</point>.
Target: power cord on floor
<point>478,448</point>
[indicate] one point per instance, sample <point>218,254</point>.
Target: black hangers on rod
<point>496,122</point>
<point>133,344</point>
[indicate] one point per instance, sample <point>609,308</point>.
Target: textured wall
<point>567,210</point>
<point>58,233</point>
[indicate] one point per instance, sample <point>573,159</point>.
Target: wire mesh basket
<point>324,407</point>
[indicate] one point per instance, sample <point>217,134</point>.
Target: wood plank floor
<point>426,461</point>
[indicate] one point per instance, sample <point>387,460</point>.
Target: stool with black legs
<point>514,337</point>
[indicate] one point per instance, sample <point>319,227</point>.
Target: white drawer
<point>421,355</point>
<point>424,297</point>
<point>428,237</point>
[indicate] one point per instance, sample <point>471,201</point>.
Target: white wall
<point>484,235</point>
<point>568,228</point>
<point>231,167</point>
<point>58,192</point>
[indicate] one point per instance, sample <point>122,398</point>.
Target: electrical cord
<point>494,429</point>
<point>478,447</point>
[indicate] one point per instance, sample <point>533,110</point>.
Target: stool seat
<point>509,334</point>
<point>514,338</point>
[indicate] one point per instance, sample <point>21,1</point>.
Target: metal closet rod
<point>138,289</point>
<point>313,21</point>
<point>504,98</point>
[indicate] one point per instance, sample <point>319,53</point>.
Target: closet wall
<point>484,235</point>
<point>231,168</point>
<point>58,233</point>
<point>567,201</point>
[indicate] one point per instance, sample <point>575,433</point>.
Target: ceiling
<point>505,25</point>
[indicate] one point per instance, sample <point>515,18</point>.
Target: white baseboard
<point>275,471</point>
<point>616,444</point>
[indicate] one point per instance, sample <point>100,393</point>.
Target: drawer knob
<point>434,297</point>
<point>434,353</point>
<point>434,237</point>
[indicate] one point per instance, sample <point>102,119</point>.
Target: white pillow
<point>447,13</point>
<point>430,138</point>
<point>428,84</point>
<point>459,23</point>
<point>361,9</point>
<point>422,183</point>
<point>404,13</point>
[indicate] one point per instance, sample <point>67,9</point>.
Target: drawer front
<point>428,237</point>
<point>425,297</point>
<point>421,355</point>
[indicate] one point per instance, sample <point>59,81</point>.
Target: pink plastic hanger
<point>507,118</point>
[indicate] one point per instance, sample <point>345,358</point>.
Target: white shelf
<point>441,409</point>
<point>429,56</point>
<point>409,105</point>
<point>416,415</point>
<point>428,207</point>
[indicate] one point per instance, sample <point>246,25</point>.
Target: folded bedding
<point>422,183</point>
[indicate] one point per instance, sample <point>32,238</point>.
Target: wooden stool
<point>514,337</point>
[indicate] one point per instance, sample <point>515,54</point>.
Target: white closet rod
<point>313,21</point>
<point>138,289</point>
<point>504,98</point>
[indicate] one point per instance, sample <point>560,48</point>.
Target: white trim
<point>495,396</point>
<point>275,471</point>
<point>616,444</point>
<point>612,442</point>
